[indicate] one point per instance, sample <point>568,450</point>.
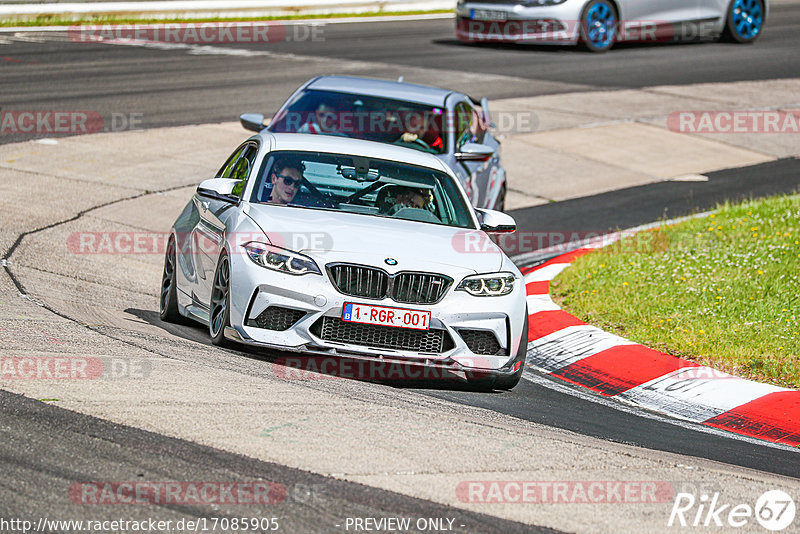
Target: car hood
<point>329,236</point>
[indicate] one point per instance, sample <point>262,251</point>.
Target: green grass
<point>722,290</point>
<point>54,20</point>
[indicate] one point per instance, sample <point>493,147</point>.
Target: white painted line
<point>568,345</point>
<point>697,394</point>
<point>622,406</point>
<point>27,39</point>
<point>291,22</point>
<point>394,18</point>
<point>540,303</point>
<point>189,6</point>
<point>197,49</point>
<point>689,178</point>
<point>546,273</point>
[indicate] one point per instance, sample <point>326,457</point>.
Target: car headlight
<point>279,259</point>
<point>488,285</point>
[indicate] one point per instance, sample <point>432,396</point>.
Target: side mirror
<point>252,121</point>
<point>219,189</point>
<point>496,222</point>
<point>474,152</point>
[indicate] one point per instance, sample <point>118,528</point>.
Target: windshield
<point>360,185</point>
<point>364,117</point>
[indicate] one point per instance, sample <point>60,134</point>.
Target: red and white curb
<point>564,347</point>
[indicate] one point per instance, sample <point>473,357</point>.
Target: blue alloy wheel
<point>599,25</point>
<point>745,20</point>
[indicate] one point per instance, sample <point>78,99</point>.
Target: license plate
<point>386,316</point>
<point>487,14</point>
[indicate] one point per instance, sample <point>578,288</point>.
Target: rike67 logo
<point>774,510</point>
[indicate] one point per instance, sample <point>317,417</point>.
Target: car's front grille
<point>482,342</point>
<point>433,341</point>
<point>373,283</point>
<point>360,281</point>
<point>419,288</point>
<point>277,318</point>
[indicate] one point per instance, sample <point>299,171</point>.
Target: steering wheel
<point>323,199</point>
<point>417,141</point>
<point>424,145</point>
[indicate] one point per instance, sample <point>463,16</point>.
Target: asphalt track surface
<point>39,450</point>
<point>171,87</point>
<point>179,86</point>
<point>636,206</point>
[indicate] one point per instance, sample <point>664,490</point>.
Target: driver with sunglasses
<point>286,178</point>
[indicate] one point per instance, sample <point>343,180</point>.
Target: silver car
<point>598,24</point>
<point>341,247</point>
<point>448,124</point>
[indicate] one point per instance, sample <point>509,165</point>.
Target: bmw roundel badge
<point>390,261</point>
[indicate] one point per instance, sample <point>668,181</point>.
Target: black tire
<point>733,34</point>
<point>480,381</point>
<point>505,383</point>
<point>586,34</point>
<point>168,301</point>
<point>219,310</point>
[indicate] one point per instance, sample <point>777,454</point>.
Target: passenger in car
<point>399,197</point>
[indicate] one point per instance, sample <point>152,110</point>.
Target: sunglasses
<point>288,180</point>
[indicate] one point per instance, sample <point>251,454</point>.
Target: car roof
<point>409,92</point>
<point>352,147</point>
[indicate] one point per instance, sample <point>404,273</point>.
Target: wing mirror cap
<point>252,121</point>
<point>219,189</point>
<point>474,152</point>
<point>496,222</point>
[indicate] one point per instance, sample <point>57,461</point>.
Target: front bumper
<point>315,300</point>
<point>526,25</point>
<point>362,366</point>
